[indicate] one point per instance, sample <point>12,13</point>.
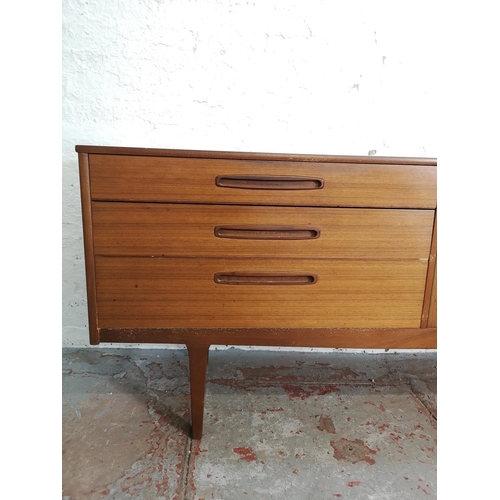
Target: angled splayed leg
<point>198,358</point>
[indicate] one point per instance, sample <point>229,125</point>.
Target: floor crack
<point>418,396</point>
<point>186,468</point>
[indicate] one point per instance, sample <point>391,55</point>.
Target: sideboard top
<point>238,155</point>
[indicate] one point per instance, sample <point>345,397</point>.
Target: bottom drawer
<point>139,292</point>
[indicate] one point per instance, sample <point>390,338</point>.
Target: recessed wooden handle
<point>263,232</point>
<point>279,182</point>
<point>264,279</point>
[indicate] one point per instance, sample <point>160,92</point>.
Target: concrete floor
<point>278,425</point>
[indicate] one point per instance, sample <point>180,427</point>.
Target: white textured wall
<point>311,76</point>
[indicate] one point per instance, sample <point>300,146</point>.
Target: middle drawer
<point>157,229</point>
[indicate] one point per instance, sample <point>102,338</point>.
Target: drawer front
<point>154,229</point>
<point>163,179</point>
<point>135,292</point>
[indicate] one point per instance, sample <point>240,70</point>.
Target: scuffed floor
<point>294,425</point>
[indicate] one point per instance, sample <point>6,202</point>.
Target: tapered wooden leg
<point>198,358</point>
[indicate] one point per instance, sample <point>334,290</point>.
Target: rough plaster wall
<point>312,76</point>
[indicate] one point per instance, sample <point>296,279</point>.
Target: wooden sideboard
<point>206,247</point>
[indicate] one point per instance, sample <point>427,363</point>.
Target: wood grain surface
<point>139,292</point>
<point>198,359</point>
<point>242,155</point>
<point>432,321</point>
<point>363,338</point>
<point>88,242</point>
<point>430,299</point>
<point>155,229</point>
<point>165,179</point>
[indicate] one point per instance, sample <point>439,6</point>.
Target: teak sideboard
<point>206,247</point>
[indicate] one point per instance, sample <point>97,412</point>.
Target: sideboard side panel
<point>88,241</point>
<point>429,306</point>
<point>432,321</point>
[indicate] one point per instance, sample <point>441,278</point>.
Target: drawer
<point>204,180</point>
<point>138,292</point>
<point>155,229</point>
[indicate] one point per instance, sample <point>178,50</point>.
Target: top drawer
<point>260,182</point>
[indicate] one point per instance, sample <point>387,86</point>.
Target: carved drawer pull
<point>264,232</point>
<point>277,182</point>
<point>264,279</point>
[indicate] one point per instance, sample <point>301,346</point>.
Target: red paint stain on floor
<point>246,454</point>
<point>420,488</point>
<point>198,450</point>
<point>264,412</point>
<point>99,492</point>
<point>325,423</point>
<point>284,372</point>
<point>303,392</point>
<point>353,483</point>
<point>274,377</point>
<point>352,451</point>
